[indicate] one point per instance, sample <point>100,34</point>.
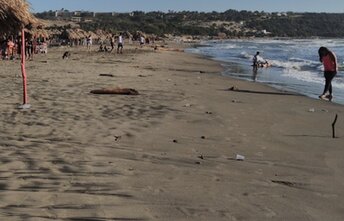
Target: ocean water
<point>295,63</point>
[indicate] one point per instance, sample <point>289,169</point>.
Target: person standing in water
<point>259,62</point>
<point>329,60</point>
<point>255,60</point>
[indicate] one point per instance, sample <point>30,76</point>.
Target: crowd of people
<point>11,47</point>
<point>119,39</point>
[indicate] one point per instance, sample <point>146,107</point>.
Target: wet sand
<point>168,153</point>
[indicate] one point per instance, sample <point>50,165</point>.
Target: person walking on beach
<point>89,42</point>
<point>29,50</point>
<point>120,44</point>
<point>329,60</point>
<point>142,41</point>
<point>112,42</point>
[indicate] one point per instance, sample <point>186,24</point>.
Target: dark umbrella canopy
<point>15,15</point>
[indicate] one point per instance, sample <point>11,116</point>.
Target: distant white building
<point>58,13</point>
<point>63,13</point>
<point>76,19</point>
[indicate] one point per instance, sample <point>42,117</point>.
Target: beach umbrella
<point>39,32</point>
<point>15,16</point>
<point>81,33</point>
<point>92,34</point>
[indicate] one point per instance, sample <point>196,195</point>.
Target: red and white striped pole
<point>25,97</point>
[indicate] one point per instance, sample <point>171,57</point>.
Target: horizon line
<point>178,11</point>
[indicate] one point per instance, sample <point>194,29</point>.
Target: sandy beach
<point>167,153</point>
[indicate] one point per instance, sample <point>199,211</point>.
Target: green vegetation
<point>230,23</point>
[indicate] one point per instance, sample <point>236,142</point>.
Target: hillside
<point>230,23</point>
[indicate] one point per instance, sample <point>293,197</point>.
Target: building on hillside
<point>76,19</point>
<point>63,13</point>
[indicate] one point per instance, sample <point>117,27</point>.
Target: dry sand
<point>168,153</point>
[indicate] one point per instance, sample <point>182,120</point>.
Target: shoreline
<point>240,70</point>
<point>168,153</point>
<point>282,90</point>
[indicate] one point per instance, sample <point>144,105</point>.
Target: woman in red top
<point>329,60</point>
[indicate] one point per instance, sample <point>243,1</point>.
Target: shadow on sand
<point>310,135</point>
<point>263,92</point>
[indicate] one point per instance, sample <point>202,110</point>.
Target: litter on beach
<point>239,157</point>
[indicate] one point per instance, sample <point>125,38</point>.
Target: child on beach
<point>329,60</point>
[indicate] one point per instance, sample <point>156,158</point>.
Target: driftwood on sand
<point>334,126</point>
<point>106,75</point>
<point>120,91</point>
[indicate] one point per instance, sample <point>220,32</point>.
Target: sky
<point>190,5</point>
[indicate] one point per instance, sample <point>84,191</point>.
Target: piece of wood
<point>106,75</point>
<point>120,91</point>
<point>334,126</point>
<point>23,69</point>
